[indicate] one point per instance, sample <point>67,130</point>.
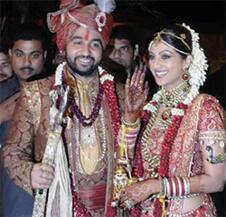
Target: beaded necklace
<point>104,140</point>
<point>107,82</point>
<point>149,116</point>
<point>106,87</point>
<point>168,99</point>
<point>88,121</point>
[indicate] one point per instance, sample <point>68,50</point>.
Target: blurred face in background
<point>121,52</point>
<point>27,58</point>
<point>5,67</point>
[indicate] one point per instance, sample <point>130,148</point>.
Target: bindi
<point>87,34</point>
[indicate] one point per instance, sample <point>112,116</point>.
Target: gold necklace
<point>171,98</point>
<point>168,99</point>
<point>153,160</point>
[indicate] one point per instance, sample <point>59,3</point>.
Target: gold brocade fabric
<point>28,137</point>
<point>28,133</point>
<point>90,149</point>
<point>89,146</point>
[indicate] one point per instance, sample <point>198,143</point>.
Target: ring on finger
<point>139,88</point>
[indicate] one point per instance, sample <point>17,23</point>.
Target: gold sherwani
<point>89,150</point>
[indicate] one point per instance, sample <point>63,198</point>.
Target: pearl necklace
<point>104,141</point>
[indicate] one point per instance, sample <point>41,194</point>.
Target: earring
<point>185,75</point>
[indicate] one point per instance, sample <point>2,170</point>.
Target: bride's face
<point>166,65</point>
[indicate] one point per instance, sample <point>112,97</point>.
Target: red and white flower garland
<point>149,114</point>
<point>107,81</point>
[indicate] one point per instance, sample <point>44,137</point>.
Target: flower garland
<point>88,121</point>
<point>197,71</point>
<point>107,82</point>
<point>199,66</point>
<point>149,114</point>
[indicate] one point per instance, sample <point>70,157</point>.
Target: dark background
<point>206,17</point>
<point>146,16</point>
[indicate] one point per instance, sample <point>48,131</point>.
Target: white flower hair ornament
<point>199,66</point>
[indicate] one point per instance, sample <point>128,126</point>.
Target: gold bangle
<point>131,125</point>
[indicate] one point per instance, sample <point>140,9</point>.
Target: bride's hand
<point>136,92</point>
<point>139,192</point>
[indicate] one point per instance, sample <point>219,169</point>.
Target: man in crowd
<point>7,104</point>
<point>123,47</point>
<point>76,168</point>
<point>8,87</point>
<point>15,201</point>
<point>28,51</point>
<point>27,55</point>
<point>121,57</point>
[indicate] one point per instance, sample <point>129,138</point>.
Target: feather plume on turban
<point>73,14</point>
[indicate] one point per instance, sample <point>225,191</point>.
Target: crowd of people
<point>107,133</point>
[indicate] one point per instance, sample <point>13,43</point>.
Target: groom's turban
<point>72,15</point>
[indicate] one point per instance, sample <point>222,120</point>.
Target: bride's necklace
<point>178,100</point>
<point>171,98</point>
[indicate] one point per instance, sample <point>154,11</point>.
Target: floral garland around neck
<point>88,121</point>
<point>150,111</point>
<point>107,82</point>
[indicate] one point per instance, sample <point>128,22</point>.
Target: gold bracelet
<point>131,125</point>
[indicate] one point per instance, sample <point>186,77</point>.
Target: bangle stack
<point>175,187</point>
<point>129,133</point>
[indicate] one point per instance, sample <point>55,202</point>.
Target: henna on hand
<point>136,92</point>
<point>137,192</point>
